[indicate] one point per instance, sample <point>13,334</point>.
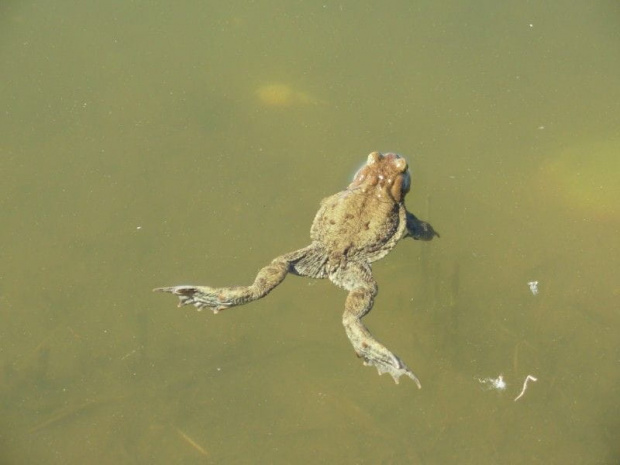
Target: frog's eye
<point>400,164</point>
<point>374,157</point>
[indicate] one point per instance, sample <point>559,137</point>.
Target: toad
<point>352,229</point>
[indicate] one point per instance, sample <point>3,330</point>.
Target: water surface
<point>150,144</point>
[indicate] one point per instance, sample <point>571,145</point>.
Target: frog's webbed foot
<point>362,291</point>
<point>386,362</point>
<point>372,352</point>
<point>200,297</point>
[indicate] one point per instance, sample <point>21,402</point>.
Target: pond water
<point>146,144</point>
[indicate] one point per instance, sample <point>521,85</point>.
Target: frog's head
<point>388,174</point>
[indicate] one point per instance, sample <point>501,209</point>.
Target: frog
<point>351,230</point>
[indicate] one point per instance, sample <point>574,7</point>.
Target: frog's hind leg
<point>309,261</point>
<point>358,280</point>
<point>220,298</point>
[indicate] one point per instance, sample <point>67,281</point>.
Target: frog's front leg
<point>220,298</point>
<point>418,229</point>
<point>358,280</point>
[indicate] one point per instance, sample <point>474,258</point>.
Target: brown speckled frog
<point>352,229</point>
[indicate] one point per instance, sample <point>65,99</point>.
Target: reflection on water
<point>282,95</point>
<point>582,178</point>
<point>143,145</point>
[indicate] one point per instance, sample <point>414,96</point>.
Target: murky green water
<point>145,144</point>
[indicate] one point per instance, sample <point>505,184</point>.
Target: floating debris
<point>191,442</point>
<point>528,378</point>
<point>494,383</point>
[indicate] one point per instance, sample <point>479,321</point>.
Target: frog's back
<point>356,225</point>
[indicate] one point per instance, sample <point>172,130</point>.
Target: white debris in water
<point>533,287</point>
<point>494,383</point>
<point>499,384</point>
<point>528,378</point>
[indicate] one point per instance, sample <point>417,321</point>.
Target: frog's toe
<point>199,297</point>
<point>395,367</point>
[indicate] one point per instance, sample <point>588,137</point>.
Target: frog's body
<point>352,229</point>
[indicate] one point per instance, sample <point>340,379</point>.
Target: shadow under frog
<point>352,229</point>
